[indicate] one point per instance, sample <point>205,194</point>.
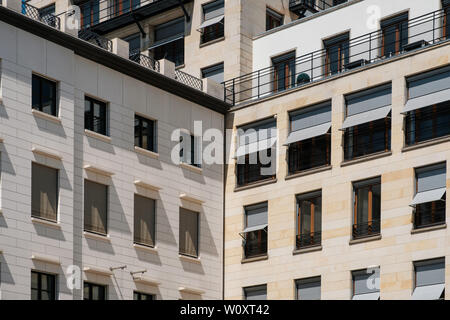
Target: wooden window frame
<point>398,34</point>
<point>341,56</point>
<point>370,185</point>
<point>285,63</point>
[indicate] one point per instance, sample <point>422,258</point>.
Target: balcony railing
<point>301,7</point>
<point>96,39</point>
<point>423,31</point>
<point>308,239</point>
<point>366,229</point>
<point>189,80</point>
<point>33,13</point>
<point>145,61</point>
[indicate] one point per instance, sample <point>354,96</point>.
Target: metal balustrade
<point>189,80</point>
<point>144,60</point>
<point>96,39</point>
<point>366,229</point>
<point>48,19</point>
<point>308,239</point>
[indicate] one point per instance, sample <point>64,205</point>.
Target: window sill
<point>369,157</point>
<point>189,258</point>
<point>427,143</point>
<point>45,116</point>
<point>147,153</point>
<point>366,239</point>
<point>255,259</point>
<point>181,66</point>
<point>307,250</point>
<point>96,236</point>
<point>308,172</point>
<point>191,167</point>
<point>96,135</point>
<point>255,184</point>
<point>428,229</point>
<point>48,223</point>
<point>144,247</point>
<point>211,42</point>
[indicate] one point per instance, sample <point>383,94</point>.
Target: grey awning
<point>427,100</point>
<point>210,22</point>
<point>166,41</point>
<point>255,228</point>
<point>428,196</point>
<point>432,292</point>
<point>308,133</point>
<point>365,117</point>
<point>367,296</point>
<point>255,147</point>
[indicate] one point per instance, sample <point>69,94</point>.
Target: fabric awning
<point>427,100</point>
<point>367,296</point>
<point>365,117</point>
<point>166,41</point>
<point>428,196</point>
<point>308,133</point>
<point>210,22</point>
<point>255,147</point>
<point>432,292</point>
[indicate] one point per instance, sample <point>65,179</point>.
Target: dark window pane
<point>366,220</point>
<point>42,286</point>
<point>188,236</point>
<point>309,154</point>
<point>44,95</point>
<point>173,51</point>
<point>95,207</point>
<point>95,116</point>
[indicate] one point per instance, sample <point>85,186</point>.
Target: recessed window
<point>213,25</point>
<point>120,7</point>
<point>366,284</point>
<point>394,34</point>
<point>191,150</point>
<point>337,54</point>
<point>446,24</point>
<point>89,13</point>
<point>169,41</point>
<point>273,19</point>
<point>134,44</point>
<point>95,116</point>
<point>255,232</point>
<point>366,208</point>
<point>92,291</point>
<point>429,280</point>
<point>44,95</point>
<point>308,289</point>
<point>214,72</point>
<point>44,181</point>
<point>256,293</point>
<point>145,133</point>
<point>143,296</point>
<point>47,15</point>
<point>188,237</point>
<point>144,220</point>
<point>95,207</point>
<point>284,72</point>
<point>43,286</point>
<point>309,220</point>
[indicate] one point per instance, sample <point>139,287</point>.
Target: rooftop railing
<point>189,80</point>
<point>96,39</point>
<point>33,13</point>
<point>144,60</point>
<point>422,31</point>
<point>300,7</point>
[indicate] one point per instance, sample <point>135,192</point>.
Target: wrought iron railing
<point>33,13</point>
<point>96,39</point>
<point>144,60</point>
<point>366,229</point>
<point>308,239</point>
<point>313,5</point>
<point>189,80</point>
<point>423,31</point>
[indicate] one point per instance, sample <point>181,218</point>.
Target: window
<point>44,95</point>
<point>308,289</point>
<point>44,181</point>
<point>145,133</point>
<point>309,139</point>
<point>95,207</point>
<point>367,208</point>
<point>309,220</point>
<point>429,201</point>
<point>95,116</point>
<point>190,151</point>
<point>122,6</point>
<point>429,280</point>
<point>134,44</point>
<point>94,291</point>
<point>366,284</point>
<point>142,296</point>
<point>213,25</point>
<point>273,19</point>
<point>144,220</point>
<point>337,54</point>
<point>367,126</point>
<point>214,72</point>
<point>446,25</point>
<point>394,35</point>
<point>43,286</point>
<point>169,41</point>
<point>428,107</point>
<point>89,13</point>
<point>256,152</point>
<point>256,293</point>
<point>189,226</point>
<point>255,232</point>
<point>284,72</point>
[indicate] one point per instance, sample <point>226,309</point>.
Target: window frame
<point>274,19</point>
<point>153,233</point>
<point>56,195</point>
<point>93,6</point>
<point>314,279</point>
<point>397,22</point>
<point>213,32</point>
<point>91,285</point>
<point>310,197</point>
<point>54,84</point>
<point>206,71</point>
<point>197,242</point>
<point>154,138</point>
<point>141,294</point>
<point>106,208</point>
<point>288,62</point>
<point>39,289</point>
<point>248,289</point>
<point>194,150</point>
<point>363,184</point>
<point>342,42</point>
<point>104,110</point>
<point>263,245</point>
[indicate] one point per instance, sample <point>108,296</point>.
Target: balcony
<point>304,8</point>
<point>33,13</point>
<point>308,240</point>
<point>366,229</point>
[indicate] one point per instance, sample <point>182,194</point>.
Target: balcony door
<point>337,54</point>
<point>394,35</point>
<point>284,71</point>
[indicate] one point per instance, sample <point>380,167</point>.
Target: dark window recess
<point>142,296</point>
<point>169,41</point>
<point>144,220</point>
<point>427,123</point>
<point>367,208</point>
<point>89,13</point>
<point>273,19</point>
<point>95,115</point>
<point>145,133</point>
<point>120,7</point>
<point>394,35</point>
<point>213,32</point>
<point>188,233</point>
<point>190,151</point>
<point>367,138</point>
<point>308,154</point>
<point>44,201</point>
<point>44,95</point>
<point>252,168</point>
<point>213,21</point>
<point>284,72</point>
<point>43,286</point>
<point>337,54</point>
<point>309,220</point>
<point>47,14</point>
<point>214,72</point>
<point>429,214</point>
<point>255,233</point>
<point>446,25</point>
<point>173,51</point>
<point>93,291</point>
<point>255,244</point>
<point>134,44</point>
<point>95,207</point>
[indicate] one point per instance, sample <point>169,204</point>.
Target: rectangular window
<point>255,232</point>
<point>145,133</point>
<point>337,54</point>
<point>44,95</point>
<point>446,25</point>
<point>429,280</point>
<point>309,139</point>
<point>366,208</point>
<point>284,72</point>
<point>366,284</point>
<point>93,291</point>
<point>256,293</point>
<point>188,237</point>
<point>309,220</point>
<point>190,151</point>
<point>95,207</point>
<point>429,201</point>
<point>273,19</point>
<point>144,220</point>
<point>169,41</point>
<point>214,72</point>
<point>95,116</point>
<point>120,7</point>
<point>134,44</point>
<point>308,289</point>
<point>213,25</point>
<point>89,13</point>
<point>394,35</point>
<point>44,185</point>
<point>43,286</point>
<point>143,296</point>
